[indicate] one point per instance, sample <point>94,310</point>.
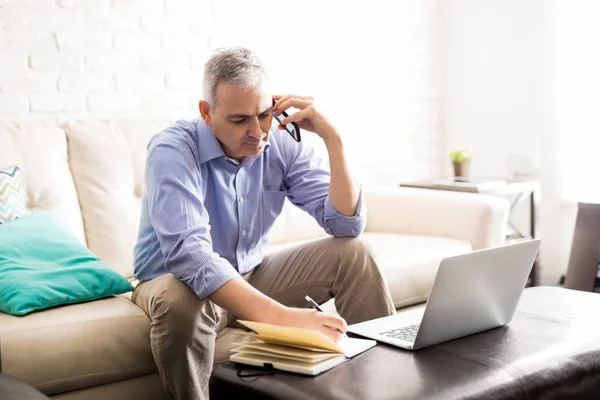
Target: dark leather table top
<point>551,349</point>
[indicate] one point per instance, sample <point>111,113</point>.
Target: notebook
<point>299,350</point>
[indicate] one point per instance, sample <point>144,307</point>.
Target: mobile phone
<point>291,128</point>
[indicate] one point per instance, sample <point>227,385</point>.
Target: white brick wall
<point>376,70</point>
<point>56,103</point>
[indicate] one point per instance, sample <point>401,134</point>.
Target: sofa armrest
<point>477,218</point>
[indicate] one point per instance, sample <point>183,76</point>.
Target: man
<point>214,187</point>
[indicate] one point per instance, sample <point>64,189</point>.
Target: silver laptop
<point>471,293</point>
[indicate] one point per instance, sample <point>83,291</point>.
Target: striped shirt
<point>206,217</point>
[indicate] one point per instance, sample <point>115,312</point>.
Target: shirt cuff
<point>343,225</point>
<point>212,276</point>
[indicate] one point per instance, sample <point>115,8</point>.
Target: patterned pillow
<point>12,198</point>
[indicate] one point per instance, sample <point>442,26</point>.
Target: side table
<point>520,189</point>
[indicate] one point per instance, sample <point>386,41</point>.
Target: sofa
<point>91,174</point>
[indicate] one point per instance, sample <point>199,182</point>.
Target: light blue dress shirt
<point>206,217</point>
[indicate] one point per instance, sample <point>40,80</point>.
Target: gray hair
<point>237,65</point>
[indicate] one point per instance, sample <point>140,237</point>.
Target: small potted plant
<point>461,161</point>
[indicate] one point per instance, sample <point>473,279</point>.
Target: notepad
<point>304,351</point>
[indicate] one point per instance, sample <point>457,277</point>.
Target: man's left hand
<point>307,118</point>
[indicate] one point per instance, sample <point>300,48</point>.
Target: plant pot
<point>461,169</point>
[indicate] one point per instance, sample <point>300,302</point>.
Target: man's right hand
<point>330,324</point>
<point>241,299</point>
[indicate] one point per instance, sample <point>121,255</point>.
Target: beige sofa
<point>91,174</point>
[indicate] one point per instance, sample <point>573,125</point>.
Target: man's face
<point>240,119</point>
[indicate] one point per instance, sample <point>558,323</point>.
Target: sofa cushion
<point>107,159</point>
<point>408,262</point>
<point>77,346</point>
<point>147,387</point>
<point>13,389</point>
<point>42,265</point>
<point>40,151</point>
<point>294,225</point>
<point>12,196</point>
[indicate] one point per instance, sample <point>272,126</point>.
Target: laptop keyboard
<point>408,333</point>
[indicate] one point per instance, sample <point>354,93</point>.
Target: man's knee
<point>357,255</point>
<point>354,246</point>
<point>177,308</point>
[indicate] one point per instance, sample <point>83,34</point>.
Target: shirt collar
<point>209,147</point>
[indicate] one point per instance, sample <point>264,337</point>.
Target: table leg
<point>534,270</point>
<point>532,213</point>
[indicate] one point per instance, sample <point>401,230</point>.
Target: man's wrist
<point>278,314</point>
<point>334,140</point>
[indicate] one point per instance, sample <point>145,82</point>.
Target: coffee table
<point>551,349</point>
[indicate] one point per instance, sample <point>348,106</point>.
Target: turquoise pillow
<point>43,265</point>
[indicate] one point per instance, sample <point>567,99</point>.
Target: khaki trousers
<point>184,327</point>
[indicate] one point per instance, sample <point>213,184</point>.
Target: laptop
<point>471,293</point>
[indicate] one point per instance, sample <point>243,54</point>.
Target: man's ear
<point>204,108</point>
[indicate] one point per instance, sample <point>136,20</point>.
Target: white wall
<point>374,67</point>
<point>101,57</point>
<point>496,79</point>
<point>499,101</point>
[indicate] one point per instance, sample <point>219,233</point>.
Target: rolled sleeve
<point>307,185</point>
<point>341,225</point>
<point>208,271</point>
<point>181,222</point>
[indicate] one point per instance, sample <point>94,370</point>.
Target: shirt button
<point>243,233</point>
<point>241,200</point>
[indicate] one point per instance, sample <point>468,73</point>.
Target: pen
<point>316,307</point>
<point>313,303</point>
